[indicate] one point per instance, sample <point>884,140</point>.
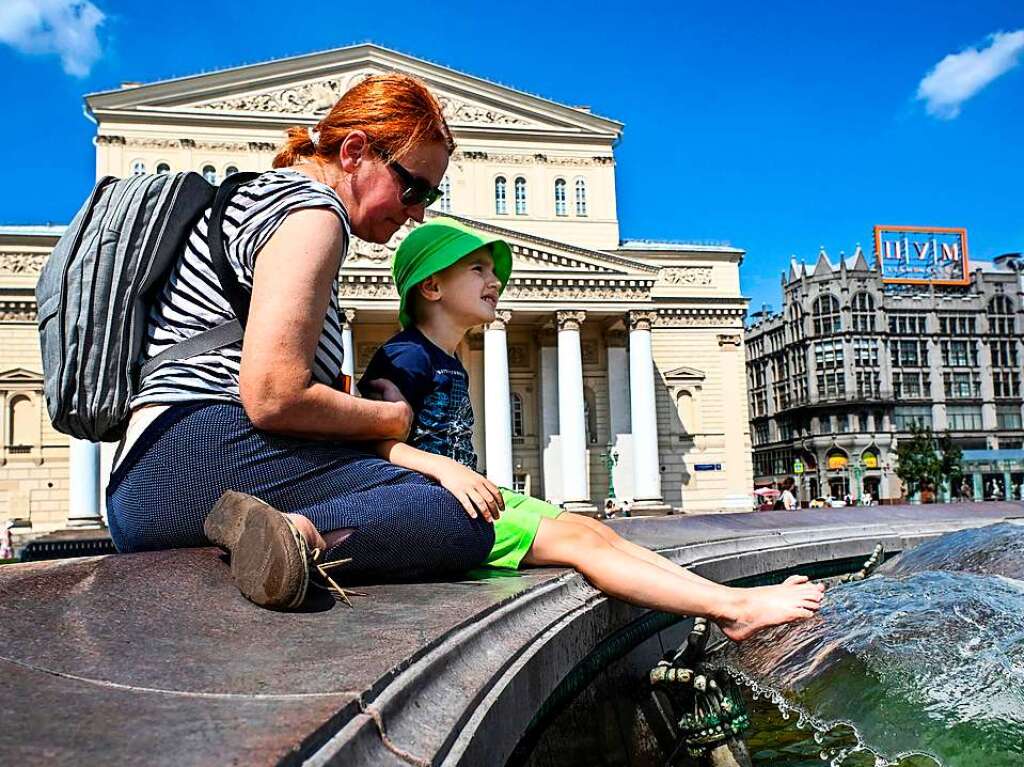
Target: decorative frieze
<point>17,311</point>
<point>22,263</point>
<point>148,142</point>
<point>316,98</point>
<point>550,289</point>
<point>708,317</point>
<point>533,159</point>
<point>109,140</point>
<point>694,276</point>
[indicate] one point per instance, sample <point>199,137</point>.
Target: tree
<point>921,465</point>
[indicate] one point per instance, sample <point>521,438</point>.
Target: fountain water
<point>922,663</point>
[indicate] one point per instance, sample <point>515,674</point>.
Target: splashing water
<point>921,664</point>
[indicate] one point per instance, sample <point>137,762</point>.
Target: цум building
<point>606,352</point>
<point>839,376</point>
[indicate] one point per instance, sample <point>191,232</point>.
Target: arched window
<point>581,197</point>
<point>500,196</point>
<point>517,415</point>
<point>446,195</point>
<point>163,168</point>
<point>520,196</point>
<point>138,168</point>
<point>561,206</point>
<point>1000,316</point>
<point>229,170</point>
<point>837,459</point>
<point>210,174</point>
<point>827,319</point>
<point>863,312</point>
<point>869,457</point>
<point>796,321</point>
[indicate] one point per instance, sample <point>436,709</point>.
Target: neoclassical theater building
<point>614,366</point>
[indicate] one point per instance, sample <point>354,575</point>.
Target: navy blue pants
<point>406,526</point>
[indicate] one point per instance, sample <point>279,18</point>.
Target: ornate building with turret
<point>842,373</point>
<point>614,367</point>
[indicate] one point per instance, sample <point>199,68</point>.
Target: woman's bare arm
<point>292,284</point>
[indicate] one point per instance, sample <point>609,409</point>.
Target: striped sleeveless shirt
<point>192,300</point>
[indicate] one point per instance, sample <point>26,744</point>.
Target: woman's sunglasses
<point>417,191</point>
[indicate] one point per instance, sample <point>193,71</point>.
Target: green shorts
<point>516,528</point>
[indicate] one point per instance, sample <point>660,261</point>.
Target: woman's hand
<point>474,491</point>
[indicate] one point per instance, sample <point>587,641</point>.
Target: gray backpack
<point>96,288</point>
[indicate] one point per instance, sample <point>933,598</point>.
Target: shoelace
<point>332,586</point>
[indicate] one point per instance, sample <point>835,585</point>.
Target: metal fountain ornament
<point>701,709</point>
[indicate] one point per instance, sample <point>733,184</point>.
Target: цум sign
<point>921,255</point>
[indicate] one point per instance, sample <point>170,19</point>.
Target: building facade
<point>613,367</point>
<point>839,376</point>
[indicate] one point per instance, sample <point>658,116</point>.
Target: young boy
<point>449,278</point>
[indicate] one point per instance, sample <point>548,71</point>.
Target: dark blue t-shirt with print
<point>436,386</point>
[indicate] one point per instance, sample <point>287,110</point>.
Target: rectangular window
<point>911,384</point>
<point>957,324</point>
<point>962,385</point>
<point>1004,354</point>
<point>906,416</point>
<point>828,354</point>
<point>1008,418</point>
<point>907,324</point>
<point>959,354</point>
<point>868,383</point>
<point>831,384</point>
<point>963,417</point>
<point>912,354</point>
<point>865,352</point>
<point>1005,383</point>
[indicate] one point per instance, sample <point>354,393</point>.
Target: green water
<point>925,657</point>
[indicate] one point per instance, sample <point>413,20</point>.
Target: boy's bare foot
<point>759,608</point>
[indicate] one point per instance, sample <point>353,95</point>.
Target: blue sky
<point>777,127</point>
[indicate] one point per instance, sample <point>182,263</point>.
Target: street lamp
<point>611,460</point>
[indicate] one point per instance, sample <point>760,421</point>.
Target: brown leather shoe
<point>269,557</point>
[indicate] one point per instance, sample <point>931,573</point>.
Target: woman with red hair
<point>268,418</point>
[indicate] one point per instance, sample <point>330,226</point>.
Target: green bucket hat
<point>436,245</point>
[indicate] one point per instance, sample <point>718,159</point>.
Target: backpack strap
<point>214,338</point>
<point>230,332</point>
<point>233,291</point>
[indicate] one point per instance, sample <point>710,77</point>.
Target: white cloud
<point>64,27</point>
<point>960,75</point>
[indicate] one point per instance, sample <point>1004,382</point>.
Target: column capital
<point>570,320</point>
<point>730,339</point>
<point>642,320</point>
<point>348,316</point>
<point>502,318</point>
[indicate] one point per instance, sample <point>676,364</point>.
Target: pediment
<point>20,377</point>
<point>685,374</point>
<point>302,88</point>
<point>531,256</point>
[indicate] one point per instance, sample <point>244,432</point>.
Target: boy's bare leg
<point>629,547</point>
<point>740,612</point>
